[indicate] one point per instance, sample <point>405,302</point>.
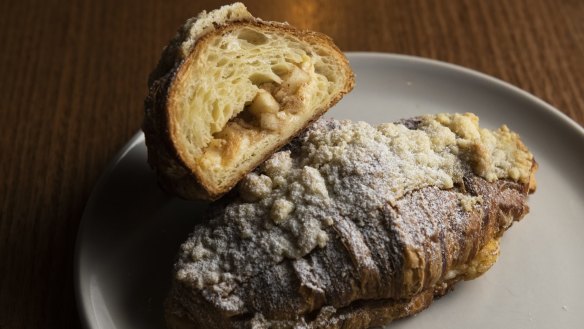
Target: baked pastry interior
<point>241,88</point>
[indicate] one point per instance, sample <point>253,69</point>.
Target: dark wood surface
<point>73,79</point>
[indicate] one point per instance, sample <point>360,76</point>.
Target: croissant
<point>353,226</point>
<point>230,90</point>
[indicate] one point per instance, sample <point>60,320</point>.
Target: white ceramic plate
<point>131,230</point>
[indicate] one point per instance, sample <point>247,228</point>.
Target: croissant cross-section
<point>229,91</point>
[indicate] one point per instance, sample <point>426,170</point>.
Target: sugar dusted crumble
<point>342,169</point>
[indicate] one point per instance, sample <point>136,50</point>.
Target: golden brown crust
<point>176,172</point>
<point>173,175</point>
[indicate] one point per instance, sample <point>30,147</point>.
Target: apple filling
<point>276,109</point>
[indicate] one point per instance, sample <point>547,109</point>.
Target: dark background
<point>73,79</point>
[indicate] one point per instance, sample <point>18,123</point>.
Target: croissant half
<point>231,89</point>
<point>353,226</point>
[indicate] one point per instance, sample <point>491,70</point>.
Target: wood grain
<point>73,78</point>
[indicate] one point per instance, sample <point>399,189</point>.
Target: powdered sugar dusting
<point>337,169</point>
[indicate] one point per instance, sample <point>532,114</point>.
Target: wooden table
<point>73,79</point>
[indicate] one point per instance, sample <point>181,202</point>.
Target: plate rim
<point>138,138</point>
<point>82,306</point>
<point>474,73</point>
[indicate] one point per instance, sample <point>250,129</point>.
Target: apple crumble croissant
<point>353,226</point>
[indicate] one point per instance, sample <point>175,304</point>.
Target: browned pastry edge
<point>358,315</point>
<point>174,175</point>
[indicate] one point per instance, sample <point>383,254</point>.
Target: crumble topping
<point>341,169</point>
